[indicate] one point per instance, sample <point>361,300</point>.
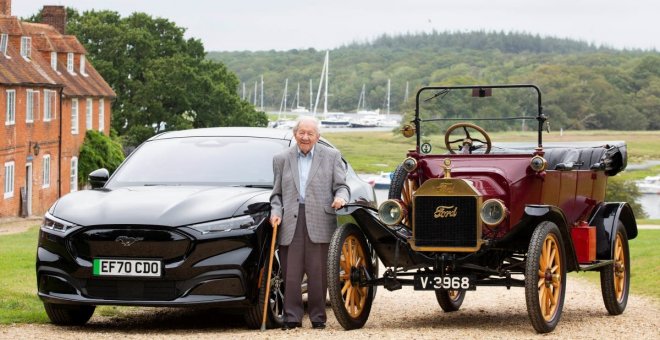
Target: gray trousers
<point>299,258</point>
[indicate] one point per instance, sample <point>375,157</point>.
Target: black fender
<point>382,238</point>
<point>605,218</point>
<point>534,214</point>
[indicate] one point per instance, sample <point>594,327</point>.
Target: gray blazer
<point>326,180</point>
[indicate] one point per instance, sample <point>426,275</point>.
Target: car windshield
<point>506,108</point>
<point>240,161</point>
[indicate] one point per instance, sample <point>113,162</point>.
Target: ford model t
<point>465,212</point>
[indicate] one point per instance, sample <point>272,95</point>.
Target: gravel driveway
<point>490,312</point>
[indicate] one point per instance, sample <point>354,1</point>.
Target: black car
<point>182,222</point>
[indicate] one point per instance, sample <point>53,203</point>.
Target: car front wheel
<point>349,265</point>
<point>275,311</point>
<point>68,315</point>
<point>545,277</point>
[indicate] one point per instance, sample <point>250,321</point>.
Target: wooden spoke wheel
<point>403,188</point>
<point>545,277</point>
<point>615,279</point>
<point>254,315</point>
<point>349,266</point>
<point>450,300</point>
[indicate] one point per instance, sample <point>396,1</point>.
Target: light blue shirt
<point>304,164</point>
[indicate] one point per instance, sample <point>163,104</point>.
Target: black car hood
<point>157,205</point>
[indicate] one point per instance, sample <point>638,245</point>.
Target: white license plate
<point>125,267</point>
<point>447,282</point>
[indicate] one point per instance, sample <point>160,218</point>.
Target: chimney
<point>5,8</point>
<point>54,16</point>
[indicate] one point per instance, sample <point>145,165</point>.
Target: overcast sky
<point>297,24</point>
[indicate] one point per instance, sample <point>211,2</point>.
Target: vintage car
<point>183,222</point>
<point>473,213</point>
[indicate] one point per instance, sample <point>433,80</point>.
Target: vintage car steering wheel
<point>467,141</point>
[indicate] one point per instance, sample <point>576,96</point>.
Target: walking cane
<point>270,271</point>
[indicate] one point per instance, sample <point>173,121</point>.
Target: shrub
<point>98,151</point>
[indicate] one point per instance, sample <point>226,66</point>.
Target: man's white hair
<point>310,119</point>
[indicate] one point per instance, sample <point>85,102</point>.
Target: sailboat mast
<point>318,94</point>
<point>255,94</point>
<point>311,103</point>
<point>388,98</point>
<point>262,92</point>
<point>327,74</point>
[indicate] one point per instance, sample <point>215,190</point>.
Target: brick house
<point>49,97</point>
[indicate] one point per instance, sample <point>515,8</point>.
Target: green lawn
<point>18,287</point>
<point>645,265</point>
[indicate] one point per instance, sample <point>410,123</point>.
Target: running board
<point>595,265</point>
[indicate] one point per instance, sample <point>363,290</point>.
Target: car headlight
<point>392,212</point>
<point>53,224</point>
<point>493,212</point>
<point>240,222</point>
<point>410,164</point>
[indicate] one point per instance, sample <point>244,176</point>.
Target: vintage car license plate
<point>127,267</point>
<point>449,282</point>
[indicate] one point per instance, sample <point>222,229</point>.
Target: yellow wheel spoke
<point>346,286</point>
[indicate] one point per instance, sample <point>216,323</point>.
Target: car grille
<point>447,230</point>
<point>136,242</point>
<point>132,290</point>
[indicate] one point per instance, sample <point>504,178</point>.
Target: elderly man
<point>309,185</point>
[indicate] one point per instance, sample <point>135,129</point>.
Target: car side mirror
<point>98,177</point>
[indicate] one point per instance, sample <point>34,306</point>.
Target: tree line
<point>584,86</point>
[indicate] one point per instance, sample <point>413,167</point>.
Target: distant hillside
<point>585,86</point>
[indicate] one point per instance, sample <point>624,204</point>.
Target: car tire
<point>275,318</point>
<point>68,315</point>
<point>615,278</point>
<point>450,300</point>
<point>348,249</point>
<point>544,294</point>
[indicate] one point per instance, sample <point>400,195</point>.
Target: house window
<point>32,106</point>
<point>101,115</point>
<point>46,171</point>
<point>4,40</point>
<point>49,105</point>
<point>26,47</point>
<point>88,114</point>
<point>10,116</point>
<point>73,185</point>
<point>53,60</point>
<point>82,65</point>
<point>74,116</point>
<point>9,179</point>
<point>69,62</point>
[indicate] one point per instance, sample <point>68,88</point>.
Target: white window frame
<point>101,115</point>
<point>82,65</point>
<point>45,171</point>
<point>69,62</point>
<point>10,111</point>
<point>31,105</point>
<point>50,105</point>
<point>26,47</point>
<point>89,114</point>
<point>75,122</point>
<point>4,42</point>
<point>73,175</point>
<point>53,60</point>
<point>10,170</point>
